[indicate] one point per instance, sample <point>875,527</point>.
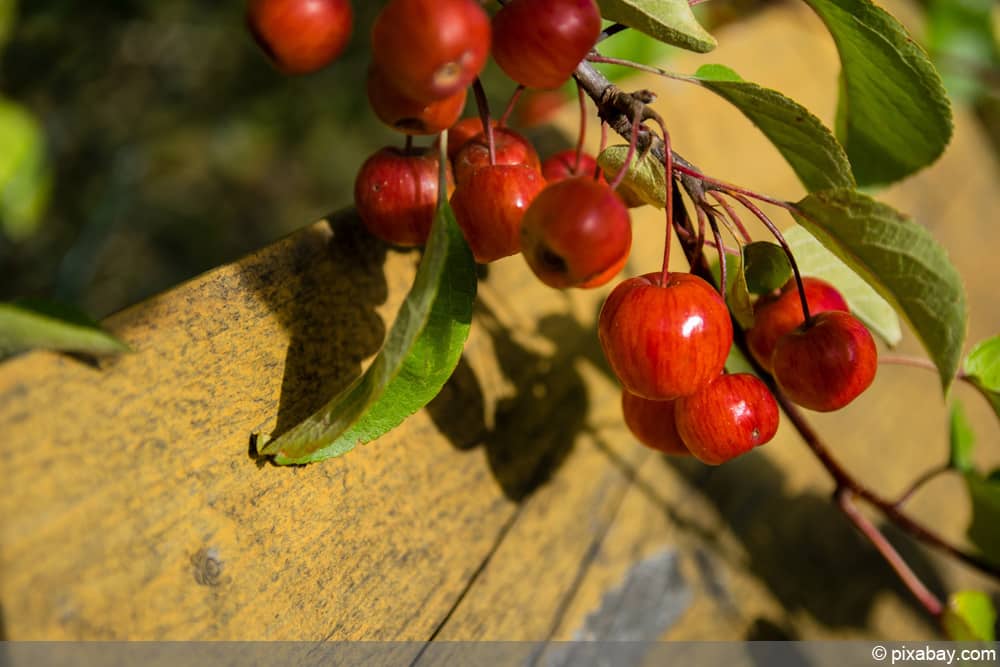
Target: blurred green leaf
<point>670,21</point>
<point>25,177</point>
<point>969,617</point>
<point>984,529</point>
<point>902,261</point>
<point>960,39</point>
<point>26,325</point>
<point>7,15</point>
<point>983,368</point>
<point>802,138</point>
<point>766,267</point>
<point>421,351</point>
<point>961,438</point>
<point>895,117</point>
<point>815,260</point>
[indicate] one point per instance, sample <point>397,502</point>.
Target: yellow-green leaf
<point>670,21</point>
<point>970,617</point>
<point>26,325</point>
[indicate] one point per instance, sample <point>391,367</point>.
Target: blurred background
<point>143,142</point>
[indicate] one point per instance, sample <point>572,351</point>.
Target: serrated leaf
<point>982,366</point>
<point>645,180</point>
<point>25,176</point>
<point>26,325</point>
<point>421,350</point>
<point>766,267</point>
<point>670,21</point>
<point>902,261</point>
<point>805,142</point>
<point>815,260</point>
<point>984,529</point>
<point>895,117</point>
<point>962,440</point>
<point>970,617</point>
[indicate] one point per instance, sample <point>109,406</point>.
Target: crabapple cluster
<point>666,335</point>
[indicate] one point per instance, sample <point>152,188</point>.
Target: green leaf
<point>25,325</point>
<point>961,41</point>
<point>25,176</point>
<point>895,117</point>
<point>633,46</point>
<point>982,366</point>
<point>421,351</point>
<point>961,438</point>
<point>644,182</point>
<point>970,617</point>
<point>802,138</point>
<point>984,529</point>
<point>766,267</point>
<point>670,21</point>
<point>737,295</point>
<point>815,260</point>
<point>902,261</point>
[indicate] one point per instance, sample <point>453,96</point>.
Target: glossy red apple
<point>728,417</point>
<point>489,206</point>
<point>652,423</point>
<point>827,363</point>
<point>300,36</point>
<point>409,116</point>
<point>576,233</point>
<point>509,147</point>
<point>565,164</point>
<point>395,194</point>
<point>776,315</point>
<point>431,48</point>
<point>539,44</point>
<point>665,340</point>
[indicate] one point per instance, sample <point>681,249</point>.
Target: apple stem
<point>920,481</point>
<point>581,97</point>
<point>771,227</point>
<point>845,500</point>
<point>484,116</point>
<point>408,144</point>
<point>610,31</point>
<point>668,204</point>
<point>732,215</point>
<point>633,139</point>
<point>511,104</point>
<point>723,270</point>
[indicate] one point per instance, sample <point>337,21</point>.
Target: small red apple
<point>509,147</point>
<point>408,116</point>
<point>728,417</point>
<point>576,233</point>
<point>776,315</point>
<point>826,363</point>
<point>431,48</point>
<point>489,206</point>
<point>564,164</point>
<point>395,194</point>
<point>652,423</point>
<point>301,36</point>
<point>665,340</point>
<point>539,44</point>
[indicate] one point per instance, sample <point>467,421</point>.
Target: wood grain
<point>507,509</point>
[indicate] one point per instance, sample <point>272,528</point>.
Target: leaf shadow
<point>527,442</point>
<point>324,296</point>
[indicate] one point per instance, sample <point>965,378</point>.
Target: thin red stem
<point>931,603</point>
<point>581,96</point>
<point>919,482</point>
<point>484,116</point>
<point>771,227</point>
<point>633,139</point>
<point>732,215</point>
<point>668,186</point>
<point>723,270</point>
<point>511,104</point>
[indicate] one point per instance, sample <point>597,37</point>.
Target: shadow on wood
<point>327,306</point>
